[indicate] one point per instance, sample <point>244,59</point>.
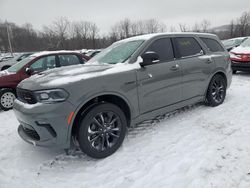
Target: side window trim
<point>58,64</point>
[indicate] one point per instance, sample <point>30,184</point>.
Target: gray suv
<point>135,79</point>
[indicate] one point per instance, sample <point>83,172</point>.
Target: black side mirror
<point>149,58</point>
<point>29,71</point>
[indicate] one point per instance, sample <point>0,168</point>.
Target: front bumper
<point>240,66</point>
<point>44,124</point>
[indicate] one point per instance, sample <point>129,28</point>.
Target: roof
<point>149,36</point>
<point>52,52</point>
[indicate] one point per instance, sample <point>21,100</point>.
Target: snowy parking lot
<point>195,147</point>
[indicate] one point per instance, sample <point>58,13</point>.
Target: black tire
<point>234,71</point>
<point>7,97</point>
<point>102,130</point>
<point>216,92</point>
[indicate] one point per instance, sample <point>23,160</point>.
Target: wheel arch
<point>219,72</point>
<point>112,98</point>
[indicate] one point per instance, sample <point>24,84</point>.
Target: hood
<point>5,73</point>
<point>241,50</point>
<point>58,77</point>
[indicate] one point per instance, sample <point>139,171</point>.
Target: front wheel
<point>7,97</point>
<point>102,130</point>
<point>216,91</point>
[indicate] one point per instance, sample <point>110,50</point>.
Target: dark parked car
<point>240,57</point>
<point>7,64</point>
<point>132,80</point>
<point>33,64</point>
<point>234,42</point>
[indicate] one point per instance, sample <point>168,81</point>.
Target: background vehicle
<point>234,42</point>
<point>130,81</point>
<point>5,58</point>
<point>33,64</point>
<point>240,57</point>
<point>7,64</point>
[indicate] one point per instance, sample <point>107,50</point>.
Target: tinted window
<point>187,46</point>
<point>212,45</point>
<point>163,47</point>
<point>44,63</point>
<point>68,59</point>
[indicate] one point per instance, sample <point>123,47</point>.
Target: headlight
<point>232,55</point>
<point>51,96</point>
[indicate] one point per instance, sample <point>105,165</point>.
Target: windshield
<point>246,43</point>
<point>20,64</point>
<point>117,52</point>
<point>233,42</point>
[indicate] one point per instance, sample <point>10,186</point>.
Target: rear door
<point>216,51</point>
<point>159,85</point>
<point>196,66</point>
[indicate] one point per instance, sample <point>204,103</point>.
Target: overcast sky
<point>106,12</point>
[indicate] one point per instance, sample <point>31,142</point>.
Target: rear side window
<point>163,47</point>
<point>68,59</point>
<point>212,45</point>
<point>187,46</point>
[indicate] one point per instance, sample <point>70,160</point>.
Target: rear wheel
<point>102,130</point>
<point>7,97</point>
<point>216,91</point>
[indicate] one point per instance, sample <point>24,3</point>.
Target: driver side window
<point>163,47</point>
<point>44,63</point>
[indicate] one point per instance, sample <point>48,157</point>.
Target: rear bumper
<point>240,66</point>
<point>44,124</point>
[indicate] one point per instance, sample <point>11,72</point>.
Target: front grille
<point>31,133</point>
<point>241,62</point>
<point>26,96</point>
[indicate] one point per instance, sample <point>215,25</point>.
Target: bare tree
<point>60,29</point>
<point>205,24</point>
<point>153,26</point>
<point>243,23</point>
<point>232,29</point>
<point>196,27</point>
<point>183,27</point>
<point>93,34</point>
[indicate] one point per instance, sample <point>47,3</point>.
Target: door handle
<point>208,61</point>
<point>175,67</point>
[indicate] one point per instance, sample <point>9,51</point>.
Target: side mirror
<point>29,71</point>
<point>149,58</point>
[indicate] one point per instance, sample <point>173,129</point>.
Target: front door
<point>159,85</point>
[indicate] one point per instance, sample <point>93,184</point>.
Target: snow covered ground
<point>196,147</point>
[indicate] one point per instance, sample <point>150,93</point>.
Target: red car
<point>240,57</point>
<point>33,64</point>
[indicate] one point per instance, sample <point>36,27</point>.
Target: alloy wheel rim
<point>218,90</point>
<point>104,130</point>
<point>7,100</point>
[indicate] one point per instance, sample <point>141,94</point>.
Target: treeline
<point>65,34</point>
